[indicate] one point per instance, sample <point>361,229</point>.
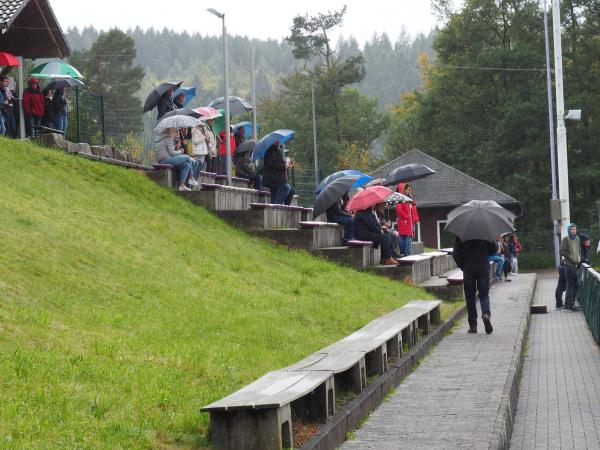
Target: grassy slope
<point>124,309</point>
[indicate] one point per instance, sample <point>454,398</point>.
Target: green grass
<point>124,309</point>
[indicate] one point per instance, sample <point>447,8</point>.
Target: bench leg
<point>358,376</point>
<point>260,429</point>
<point>319,405</point>
<point>436,317</point>
<point>424,323</point>
<point>377,360</point>
<point>394,346</point>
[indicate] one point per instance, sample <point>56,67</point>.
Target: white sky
<point>266,18</point>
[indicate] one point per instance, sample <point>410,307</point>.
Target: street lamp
<point>226,96</point>
<point>314,123</point>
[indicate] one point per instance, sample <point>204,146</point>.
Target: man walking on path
<point>571,253</point>
<point>472,258</point>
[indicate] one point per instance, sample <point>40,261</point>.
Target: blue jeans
<point>405,245</point>
<point>61,123</point>
<point>31,124</point>
<point>283,194</point>
<point>256,179</point>
<point>223,165</point>
<point>183,164</point>
<point>499,260</point>
<point>196,167</point>
<point>472,283</point>
<point>348,223</point>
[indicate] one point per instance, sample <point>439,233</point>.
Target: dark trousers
<point>385,243</point>
<point>474,282</point>
<point>561,286</point>
<point>571,277</point>
<point>31,124</point>
<point>348,223</point>
<point>211,164</point>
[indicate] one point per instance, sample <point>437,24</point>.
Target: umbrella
<point>188,91</point>
<point>368,197</point>
<point>479,220</point>
<point>64,83</point>
<point>55,69</point>
<point>396,198</point>
<point>245,147</point>
<point>237,105</point>
<point>375,182</point>
<point>409,172</point>
<point>6,59</point>
<point>155,96</point>
<point>247,125</point>
<point>361,180</point>
<point>207,113</point>
<point>182,112</point>
<point>282,136</point>
<point>332,193</point>
<point>177,121</point>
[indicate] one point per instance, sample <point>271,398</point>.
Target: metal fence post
<point>78,114</point>
<point>102,118</point>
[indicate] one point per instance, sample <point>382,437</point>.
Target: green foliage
<point>125,308</point>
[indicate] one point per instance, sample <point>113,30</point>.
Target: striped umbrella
<point>55,69</point>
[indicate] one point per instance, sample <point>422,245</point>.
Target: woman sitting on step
<point>166,153</point>
<point>368,228</point>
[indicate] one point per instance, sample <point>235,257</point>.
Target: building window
<point>444,238</point>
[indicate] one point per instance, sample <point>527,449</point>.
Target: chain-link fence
<point>85,121</point>
<point>589,299</point>
<point>303,181</point>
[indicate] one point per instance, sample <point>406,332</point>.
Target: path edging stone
<point>333,433</point>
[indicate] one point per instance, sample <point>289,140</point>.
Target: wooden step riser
<point>442,264</point>
<point>306,239</point>
<point>253,220</point>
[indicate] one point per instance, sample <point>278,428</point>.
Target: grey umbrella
<point>156,95</point>
<point>245,147</point>
<point>237,105</point>
<point>479,220</point>
<point>64,83</point>
<point>409,172</point>
<point>332,193</point>
<point>178,122</point>
<point>182,112</point>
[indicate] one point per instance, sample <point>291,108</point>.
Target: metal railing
<point>589,299</point>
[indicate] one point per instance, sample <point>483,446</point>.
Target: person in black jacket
<point>335,214</point>
<point>275,175</point>
<point>472,258</point>
<point>49,116</point>
<point>165,104</point>
<point>368,228</point>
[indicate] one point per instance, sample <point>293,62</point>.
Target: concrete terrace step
<point>442,289</point>
<point>306,238</point>
<point>360,257</point>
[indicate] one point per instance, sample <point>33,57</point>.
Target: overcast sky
<point>258,19</point>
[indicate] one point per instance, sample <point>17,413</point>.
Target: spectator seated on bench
<point>336,214</point>
<point>245,168</point>
<point>187,168</point>
<point>368,228</point>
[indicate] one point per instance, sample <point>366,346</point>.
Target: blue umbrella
<point>363,178</point>
<point>189,91</point>
<point>282,136</point>
<point>248,126</point>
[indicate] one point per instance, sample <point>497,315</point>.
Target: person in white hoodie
<point>199,144</point>
<point>166,153</point>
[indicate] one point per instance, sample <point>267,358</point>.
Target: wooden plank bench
<point>455,277</point>
<point>259,416</point>
<point>357,254</point>
<point>235,181</point>
<point>217,197</point>
<point>448,250</point>
<point>420,264</point>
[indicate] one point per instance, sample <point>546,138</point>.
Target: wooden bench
<point>305,213</point>
<point>440,262</point>
<point>456,277</point>
<point>308,235</point>
<point>235,181</point>
<point>420,264</point>
<point>448,250</point>
<point>218,197</point>
<point>259,416</point>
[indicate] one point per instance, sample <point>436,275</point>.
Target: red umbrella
<point>6,59</point>
<point>207,113</point>
<point>368,197</point>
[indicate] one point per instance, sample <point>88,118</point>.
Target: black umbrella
<point>245,147</point>
<point>64,83</point>
<point>332,193</point>
<point>237,105</point>
<point>409,172</point>
<point>182,112</point>
<point>155,96</point>
<point>479,220</point>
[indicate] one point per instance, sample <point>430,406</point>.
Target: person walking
<point>472,258</point>
<point>570,251</point>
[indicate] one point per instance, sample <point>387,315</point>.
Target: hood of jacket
<point>569,228</point>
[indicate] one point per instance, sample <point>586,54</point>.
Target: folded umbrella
<point>282,136</point>
<point>155,95</point>
<point>177,121</point>
<point>332,193</point>
<point>188,91</point>
<point>368,197</point>
<point>479,220</point>
<point>409,172</point>
<point>360,181</point>
<point>237,105</point>
<point>64,83</point>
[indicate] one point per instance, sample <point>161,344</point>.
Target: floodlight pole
<point>314,125</point>
<point>254,126</point>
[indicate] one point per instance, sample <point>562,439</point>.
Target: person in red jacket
<point>223,150</point>
<point>33,107</point>
<point>407,218</point>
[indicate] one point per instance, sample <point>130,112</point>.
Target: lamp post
<point>314,122</point>
<point>226,96</point>
<point>254,129</point>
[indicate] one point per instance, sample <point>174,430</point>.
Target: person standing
<point>61,106</point>
<point>49,117</point>
<point>211,143</point>
<point>570,251</point>
<point>33,107</point>
<point>517,247</point>
<point>7,99</point>
<point>407,218</point>
<point>275,175</point>
<point>472,258</point>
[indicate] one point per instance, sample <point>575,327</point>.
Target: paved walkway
<point>559,399</point>
<point>455,397</point>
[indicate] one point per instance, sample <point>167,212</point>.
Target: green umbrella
<point>55,69</point>
<point>219,124</point>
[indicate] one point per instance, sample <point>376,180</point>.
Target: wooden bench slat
<point>411,259</point>
<point>312,224</point>
<point>435,254</point>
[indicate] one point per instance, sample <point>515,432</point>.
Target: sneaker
<point>192,182</point>
<point>184,188</point>
<point>472,329</point>
<point>487,323</point>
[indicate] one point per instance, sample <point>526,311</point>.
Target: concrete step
<point>442,289</point>
<point>400,273</point>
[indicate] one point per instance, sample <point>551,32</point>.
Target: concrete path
<point>559,399</point>
<point>458,397</point>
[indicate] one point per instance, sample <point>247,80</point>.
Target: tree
<point>109,70</point>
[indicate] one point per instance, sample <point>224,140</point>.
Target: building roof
<point>447,187</point>
<point>29,28</point>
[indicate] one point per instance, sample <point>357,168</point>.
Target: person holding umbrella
<point>166,153</point>
<point>275,175</point>
<point>368,228</point>
<point>244,166</point>
<point>407,218</point>
<point>61,106</point>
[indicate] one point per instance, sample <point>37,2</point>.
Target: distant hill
<point>391,67</point>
